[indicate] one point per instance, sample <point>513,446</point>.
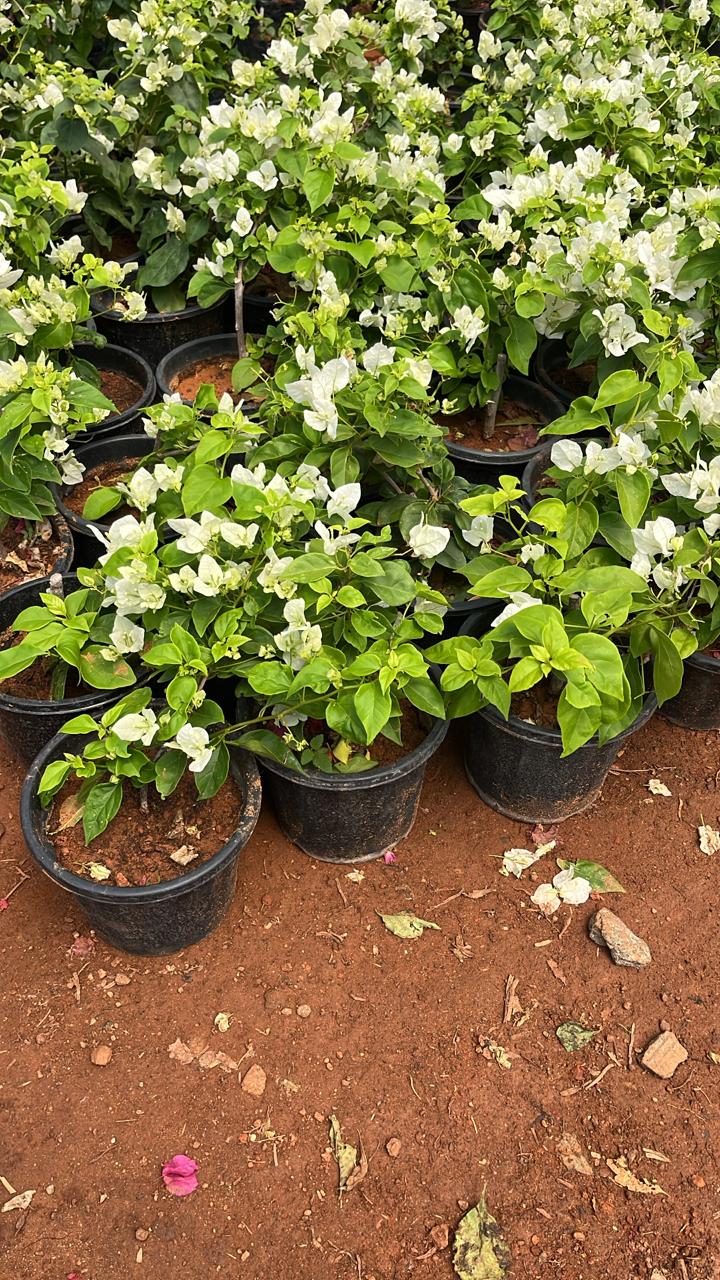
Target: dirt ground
<point>389,1046</point>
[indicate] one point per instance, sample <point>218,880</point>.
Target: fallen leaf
<point>180,1176</point>
<point>515,861</point>
<point>440,1235</point>
<point>493,1052</point>
<point>658,788</point>
<point>599,878</point>
<point>512,1007</point>
<point>98,872</point>
<point>183,855</point>
<point>351,1169</point>
<point>21,1201</point>
<point>625,1178</point>
<point>406,925</point>
<point>571,1154</point>
<point>714,1057</point>
<point>479,1251</point>
<point>461,948</point>
<point>222,1021</point>
<point>709,839</point>
<point>70,812</point>
<point>556,971</point>
<point>210,1059</point>
<point>180,1052</point>
<point>573,1036</point>
<point>357,877</point>
<point>389,856</point>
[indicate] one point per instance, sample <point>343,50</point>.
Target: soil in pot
<point>123,391</point>
<point>516,428</point>
<point>576,381</point>
<point>536,706</point>
<point>216,370</point>
<point>28,551</point>
<point>104,476</point>
<point>35,682</point>
<point>138,845</point>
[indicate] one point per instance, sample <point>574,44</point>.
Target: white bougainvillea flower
<point>515,861</point>
<point>531,552</point>
<point>480,532</point>
<point>300,641</point>
<point>427,540</point>
<point>378,357</point>
<point>265,176</point>
<point>573,889</point>
<point>193,741</point>
<point>8,275</point>
<point>344,500</point>
<point>618,330</point>
<point>242,223</point>
<point>142,489</point>
<point>128,531</point>
<point>137,726</point>
<point>658,788</point>
<point>317,391</point>
<point>126,636</point>
<point>519,600</point>
<point>547,899</point>
<point>709,839</point>
<point>566,455</point>
<point>333,540</point>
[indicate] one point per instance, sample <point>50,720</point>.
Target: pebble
<point>254,1081</point>
<point>303,1011</point>
<point>664,1055</point>
<point>440,1235</point>
<point>392,1146</point>
<point>101,1055</point>
<point>141,1234</point>
<point>121,980</point>
<point>625,947</point>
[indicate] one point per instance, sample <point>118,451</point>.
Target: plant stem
<point>491,409</point>
<point>239,322</point>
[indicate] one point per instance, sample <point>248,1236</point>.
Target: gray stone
<point>608,930</point>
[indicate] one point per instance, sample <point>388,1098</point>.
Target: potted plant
<point>124,378</point>
<point>149,855</point>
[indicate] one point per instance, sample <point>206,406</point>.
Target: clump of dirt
<point>137,846</point>
<point>124,392</point>
<point>28,551</point>
<point>537,705</point>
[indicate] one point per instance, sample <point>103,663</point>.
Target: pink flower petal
<point>4,904</point>
<point>389,856</point>
<point>180,1176</point>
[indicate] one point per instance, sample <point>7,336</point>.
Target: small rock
<point>101,1055</point>
<point>303,1011</point>
<point>698,1180</point>
<point>578,1235</point>
<point>141,1234</point>
<point>440,1235</point>
<point>664,1055</point>
<point>121,980</point>
<point>607,929</point>
<point>254,1081</point>
<point>392,1146</point>
<point>664,1024</point>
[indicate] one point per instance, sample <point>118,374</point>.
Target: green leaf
<point>165,264</point>
<point>373,708</point>
<point>204,490</point>
<point>80,724</point>
<point>425,695</point>
<point>573,1036</point>
<point>169,769</point>
<point>210,779</point>
<point>406,925</point>
<point>620,387</point>
<point>101,804</point>
<point>667,666</point>
<point>479,1251</point>
<point>99,502</point>
<point>598,876</point>
<point>633,494</point>
<point>104,673</point>
<point>520,342</point>
<point>53,778</point>
<point>318,185</point>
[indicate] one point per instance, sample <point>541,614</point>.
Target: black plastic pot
<point>258,311</point>
<point>177,362</point>
<point>484,466</point>
<point>27,724</point>
<point>118,360</point>
<point>112,449</point>
<point>479,610</point>
<point>351,817</point>
<point>552,355</point>
<point>697,705</point>
<point>146,920</point>
<point>159,333</point>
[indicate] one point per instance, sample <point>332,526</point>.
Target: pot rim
<point>369,778</point>
<point>153,317</point>
<point>542,736</point>
<point>705,661</point>
<point>244,769</point>
<point>86,350</point>
<point>41,706</point>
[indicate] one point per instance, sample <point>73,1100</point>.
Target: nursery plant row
<point>358,374</point>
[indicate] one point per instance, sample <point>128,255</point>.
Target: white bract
<point>427,540</point>
<point>137,726</point>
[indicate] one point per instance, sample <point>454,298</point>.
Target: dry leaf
<point>625,1178</point>
<point>461,948</point>
<point>556,971</point>
<point>479,1251</point>
<point>658,788</point>
<point>406,925</point>
<point>21,1201</point>
<point>709,839</point>
<point>714,1057</point>
<point>493,1052</point>
<point>70,812</point>
<point>571,1154</point>
<point>183,855</point>
<point>222,1021</point>
<point>357,877</point>
<point>513,1007</point>
<point>180,1052</point>
<point>98,871</point>
<point>351,1170</point>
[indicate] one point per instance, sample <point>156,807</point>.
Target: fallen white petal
<point>658,788</point>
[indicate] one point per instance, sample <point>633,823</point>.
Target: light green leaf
<point>602,880</point>
<point>406,925</point>
<point>573,1036</point>
<point>479,1251</point>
